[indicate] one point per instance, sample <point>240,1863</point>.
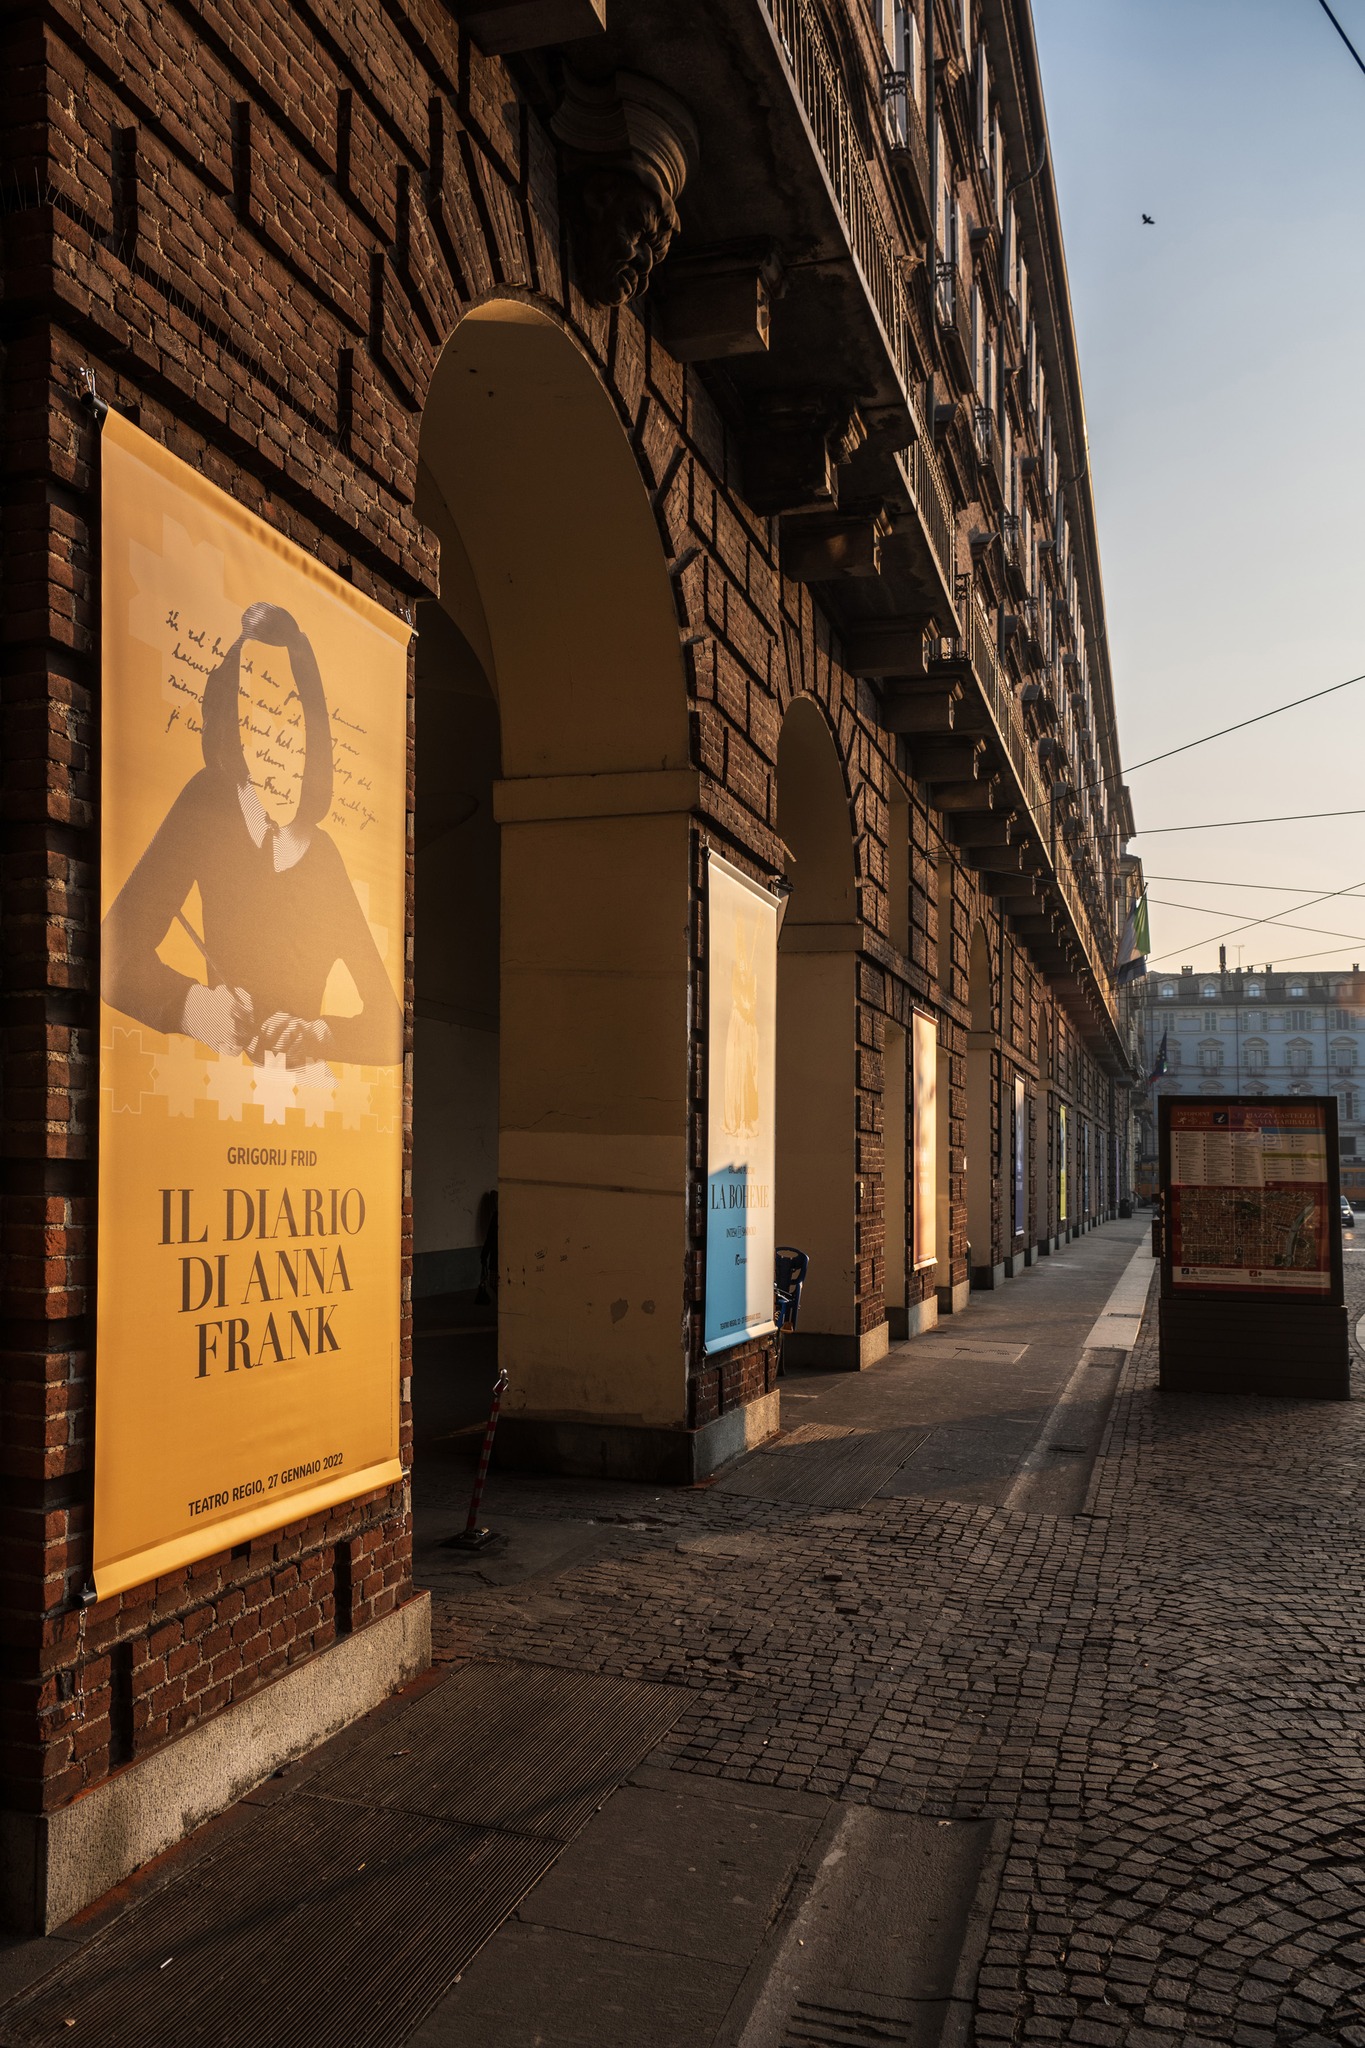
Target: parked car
<point>1348,1214</point>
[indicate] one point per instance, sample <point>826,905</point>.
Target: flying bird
<point>1147,221</point>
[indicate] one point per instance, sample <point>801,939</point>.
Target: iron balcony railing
<point>924,481</point>
<point>977,647</point>
<point>983,430</point>
<point>953,307</point>
<point>820,92</point>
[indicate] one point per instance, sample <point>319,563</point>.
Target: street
<point>1104,1744</point>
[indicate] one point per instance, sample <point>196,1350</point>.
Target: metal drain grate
<point>518,1746</point>
<point>842,2026</point>
<point>819,1468</point>
<point>338,1916</point>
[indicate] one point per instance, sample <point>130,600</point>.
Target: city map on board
<point>1250,1199</point>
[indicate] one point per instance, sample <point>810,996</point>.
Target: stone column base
<point>620,1450</point>
<point>53,1864</point>
<point>954,1298</point>
<point>914,1320</point>
<point>835,1353</point>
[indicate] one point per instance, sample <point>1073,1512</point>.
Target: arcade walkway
<point>967,1711</point>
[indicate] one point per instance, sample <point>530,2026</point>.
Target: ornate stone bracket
<point>796,443</point>
<point>628,147</point>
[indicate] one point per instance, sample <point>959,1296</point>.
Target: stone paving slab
<point>1161,1696</point>
<point>1155,1700</point>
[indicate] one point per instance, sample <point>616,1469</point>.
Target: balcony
<point>909,150</point>
<point>783,182</point>
<point>1034,875</point>
<point>953,312</point>
<point>986,440</point>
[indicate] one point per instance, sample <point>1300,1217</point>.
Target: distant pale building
<point>1259,1032</point>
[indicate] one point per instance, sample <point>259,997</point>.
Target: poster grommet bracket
<point>89,395</point>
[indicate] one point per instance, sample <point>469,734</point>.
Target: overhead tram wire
<point>1277,923</point>
<point>1186,746</point>
<point>1240,726</point>
<point>1216,882</point>
<point>1252,924</point>
<point>1226,824</point>
<point>1342,33</point>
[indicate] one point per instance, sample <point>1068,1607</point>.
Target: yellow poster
<point>1063,1164</point>
<point>741,1105</point>
<point>925,1054</point>
<point>253,839</point>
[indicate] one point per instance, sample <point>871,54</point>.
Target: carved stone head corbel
<point>628,146</point>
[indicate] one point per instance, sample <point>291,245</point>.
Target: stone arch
<point>556,602</point>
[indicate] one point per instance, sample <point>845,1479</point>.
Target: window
<point>1209,991</point>
<point>1347,1105</point>
<point>1210,1020</point>
<point>1253,988</point>
<point>1296,988</point>
<point>1348,1148</point>
<point>1173,1057</point>
<point>905,66</point>
<point>1300,1061</point>
<point>1298,1020</point>
<point>1339,1020</point>
<point>1257,1057</point>
<point>982,108</point>
<point>1167,991</point>
<point>1210,1058</point>
<point>1343,1056</point>
<point>913,52</point>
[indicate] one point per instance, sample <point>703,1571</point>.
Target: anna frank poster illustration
<point>251,958</point>
<point>741,974</point>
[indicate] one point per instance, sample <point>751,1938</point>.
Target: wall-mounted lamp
<point>782,890</point>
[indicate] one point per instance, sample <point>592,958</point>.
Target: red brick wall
<point>256,228</point>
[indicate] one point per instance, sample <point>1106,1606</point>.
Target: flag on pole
<point>1162,1065</point>
<point>1136,944</point>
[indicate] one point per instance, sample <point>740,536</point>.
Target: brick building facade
<point>1258,1031</point>
<point>712,403</point>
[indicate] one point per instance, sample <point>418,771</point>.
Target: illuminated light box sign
<point>1251,1283</point>
<point>253,832</point>
<point>741,1105</point>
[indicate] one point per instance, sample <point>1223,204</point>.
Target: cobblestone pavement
<point>1160,1694</point>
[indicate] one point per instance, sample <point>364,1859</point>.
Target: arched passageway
<point>817,1190</point>
<point>551,960</point>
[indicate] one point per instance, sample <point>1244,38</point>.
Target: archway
<point>817,1190</point>
<point>554,794</point>
<point>982,1149</point>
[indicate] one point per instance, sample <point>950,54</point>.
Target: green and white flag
<point>1137,943</point>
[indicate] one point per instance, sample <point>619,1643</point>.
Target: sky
<point>1222,352</point>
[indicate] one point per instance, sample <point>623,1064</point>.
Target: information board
<point>1251,1197</point>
